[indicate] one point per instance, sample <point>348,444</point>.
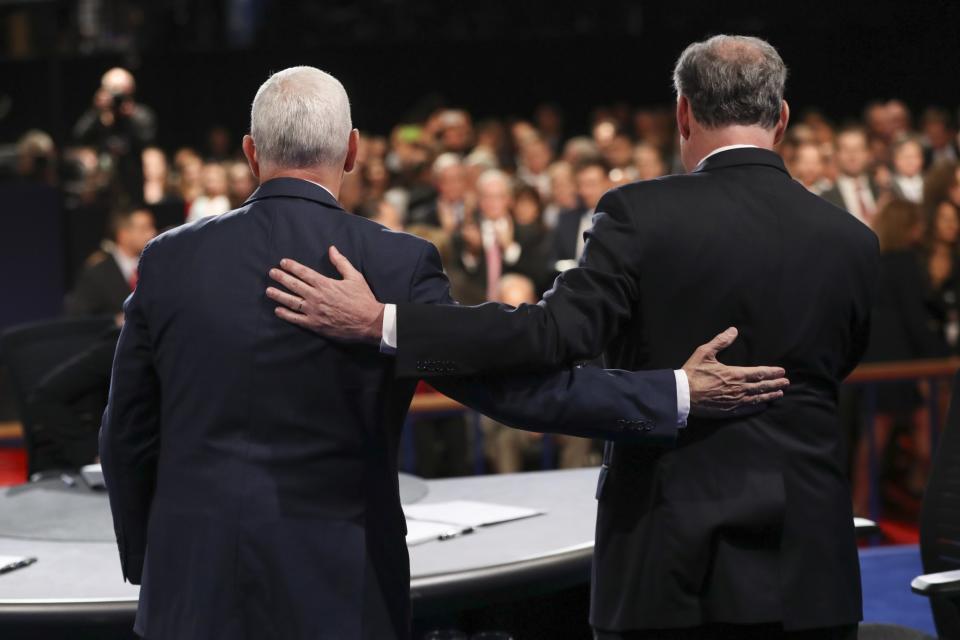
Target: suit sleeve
<point>574,321</point>
<point>583,401</point>
<point>130,431</point>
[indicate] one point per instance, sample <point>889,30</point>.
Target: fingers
<point>300,271</point>
<point>343,265</point>
<point>295,318</point>
<point>759,388</point>
<point>290,282</point>
<point>284,298</point>
<point>759,374</point>
<point>764,398</point>
<point>720,342</point>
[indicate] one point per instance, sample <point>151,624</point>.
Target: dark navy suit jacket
<point>252,465</point>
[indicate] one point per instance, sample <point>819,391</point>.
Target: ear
<point>250,151</point>
<point>353,146</point>
<point>782,123</point>
<point>683,117</point>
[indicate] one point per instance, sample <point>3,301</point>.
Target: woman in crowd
<point>943,270</point>
<point>530,232</point>
<point>901,329</point>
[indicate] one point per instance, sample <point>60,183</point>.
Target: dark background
<point>199,63</point>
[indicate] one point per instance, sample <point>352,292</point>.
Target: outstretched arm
<point>576,395</point>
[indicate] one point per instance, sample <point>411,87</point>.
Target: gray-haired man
<point>741,531</point>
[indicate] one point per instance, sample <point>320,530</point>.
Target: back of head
<point>732,80</point>
<point>300,118</point>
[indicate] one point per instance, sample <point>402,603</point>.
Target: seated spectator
<point>563,192</point>
<point>942,183</point>
<point>241,183</point>
<point>907,180</point>
<point>507,449</point>
<point>486,243</point>
<point>648,162</point>
<point>156,177</point>
<point>531,234</point>
<point>807,167</point>
<point>943,270</point>
<point>111,274</point>
<point>592,182</point>
<point>854,190</point>
<point>901,329</point>
<point>188,167</point>
<point>448,209</point>
<point>579,150</point>
<point>535,157</point>
<point>940,139</point>
<point>159,192</point>
<point>382,212</point>
<point>619,154</point>
<point>214,200</point>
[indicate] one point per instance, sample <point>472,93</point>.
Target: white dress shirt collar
<point>722,149</point>
<point>324,188</point>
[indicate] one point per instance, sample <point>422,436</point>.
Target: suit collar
<point>294,188</point>
<point>742,156</point>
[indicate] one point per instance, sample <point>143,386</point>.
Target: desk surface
<point>553,548</point>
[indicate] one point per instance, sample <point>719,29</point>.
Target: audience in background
<point>111,274</point>
<point>511,450</point>
<point>901,329</point>
<point>214,196</point>
<point>507,200</point>
<point>943,270</point>
<point>119,128</point>
<point>907,159</point>
<point>855,189</point>
<point>592,180</point>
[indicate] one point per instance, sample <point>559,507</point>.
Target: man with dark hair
<point>744,529</point>
<point>854,190</point>
<point>111,273</point>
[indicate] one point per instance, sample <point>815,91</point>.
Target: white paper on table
<point>6,561</point>
<point>467,513</point>
<point>419,531</point>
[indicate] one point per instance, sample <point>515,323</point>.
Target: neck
<point>329,178</point>
<point>702,142</point>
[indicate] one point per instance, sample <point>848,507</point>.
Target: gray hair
<point>301,118</point>
<point>732,80</point>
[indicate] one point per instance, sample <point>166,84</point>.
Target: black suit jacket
<point>747,520</point>
<point>252,465</point>
<point>100,290</point>
<point>566,234</point>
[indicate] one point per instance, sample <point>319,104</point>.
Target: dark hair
<point>894,224</point>
<point>120,217</point>
<point>732,80</point>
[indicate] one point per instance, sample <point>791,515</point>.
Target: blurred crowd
<point>506,200</point>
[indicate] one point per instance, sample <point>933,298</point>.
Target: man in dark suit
<point>854,189</point>
<point>592,181</point>
<point>251,466</point>
<point>111,274</point>
<point>743,530</point>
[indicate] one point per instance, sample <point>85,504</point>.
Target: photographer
<point>119,128</point>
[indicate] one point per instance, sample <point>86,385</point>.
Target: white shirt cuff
<point>683,393</point>
<point>388,340</point>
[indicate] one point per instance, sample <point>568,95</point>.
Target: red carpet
<point>13,466</point>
